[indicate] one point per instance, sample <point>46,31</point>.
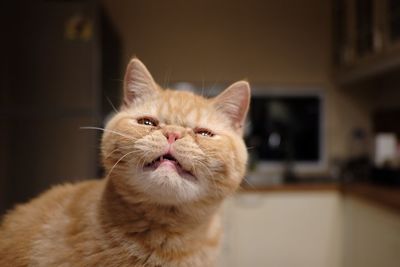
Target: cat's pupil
<point>205,133</point>
<point>147,122</point>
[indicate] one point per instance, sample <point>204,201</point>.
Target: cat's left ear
<point>234,102</point>
<point>138,83</point>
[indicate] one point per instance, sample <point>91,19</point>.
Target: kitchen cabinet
<point>312,226</point>
<point>289,228</point>
<point>61,65</point>
<point>366,38</point>
<point>371,234</point>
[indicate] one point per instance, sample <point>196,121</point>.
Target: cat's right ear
<point>234,103</point>
<point>138,83</point>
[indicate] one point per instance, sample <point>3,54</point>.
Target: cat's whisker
<point>105,130</point>
<point>112,168</point>
<point>111,104</point>
<point>122,148</point>
<point>212,89</point>
<point>247,182</point>
<point>142,160</point>
<point>118,80</point>
<point>145,152</point>
<point>202,86</point>
<point>117,149</point>
<point>167,78</point>
<point>246,124</point>
<point>207,170</point>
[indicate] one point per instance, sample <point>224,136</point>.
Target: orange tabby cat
<point>171,158</point>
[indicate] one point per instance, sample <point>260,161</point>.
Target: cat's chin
<point>165,182</point>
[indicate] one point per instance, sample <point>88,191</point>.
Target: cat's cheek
<point>208,140</point>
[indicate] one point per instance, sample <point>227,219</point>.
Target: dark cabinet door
<point>53,89</point>
<point>393,17</point>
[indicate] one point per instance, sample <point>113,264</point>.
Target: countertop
<point>384,196</point>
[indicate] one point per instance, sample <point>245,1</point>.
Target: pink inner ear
<point>138,82</point>
<point>234,102</point>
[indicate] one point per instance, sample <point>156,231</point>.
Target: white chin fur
<point>164,186</point>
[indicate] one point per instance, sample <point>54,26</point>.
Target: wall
<point>283,229</point>
<point>227,40</point>
<point>285,43</point>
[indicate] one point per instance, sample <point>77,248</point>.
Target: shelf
<point>368,67</point>
<point>294,187</point>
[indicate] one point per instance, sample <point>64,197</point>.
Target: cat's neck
<point>138,218</point>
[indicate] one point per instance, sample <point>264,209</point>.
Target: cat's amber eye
<point>148,121</point>
<point>204,132</point>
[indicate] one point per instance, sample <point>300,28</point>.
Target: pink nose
<point>172,136</point>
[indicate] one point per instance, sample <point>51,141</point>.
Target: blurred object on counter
<point>387,147</point>
<point>386,160</point>
<point>385,154</point>
<point>358,165</point>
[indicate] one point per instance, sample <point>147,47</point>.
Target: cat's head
<point>173,147</point>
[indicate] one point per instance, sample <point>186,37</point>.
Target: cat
<point>171,158</point>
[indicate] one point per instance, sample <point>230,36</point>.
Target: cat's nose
<point>172,136</point>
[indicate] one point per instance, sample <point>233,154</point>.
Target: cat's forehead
<point>182,102</point>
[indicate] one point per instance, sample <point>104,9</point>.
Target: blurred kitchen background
<point>323,187</point>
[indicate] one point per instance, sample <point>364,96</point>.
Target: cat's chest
<point>155,248</point>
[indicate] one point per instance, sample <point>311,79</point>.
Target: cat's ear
<point>234,103</point>
<point>138,83</point>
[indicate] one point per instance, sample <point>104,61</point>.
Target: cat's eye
<point>148,121</point>
<point>204,132</point>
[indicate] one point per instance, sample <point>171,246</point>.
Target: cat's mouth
<point>167,160</point>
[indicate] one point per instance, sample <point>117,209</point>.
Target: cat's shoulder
<point>49,201</point>
<point>23,227</point>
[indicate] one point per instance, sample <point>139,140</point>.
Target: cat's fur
<point>162,215</point>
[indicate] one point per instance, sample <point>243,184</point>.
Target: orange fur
<point>142,214</point>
